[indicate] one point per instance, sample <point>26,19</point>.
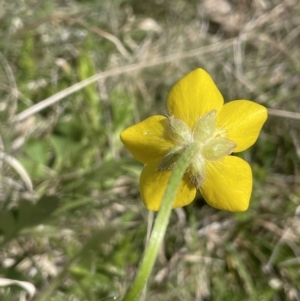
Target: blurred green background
<point>71,220</point>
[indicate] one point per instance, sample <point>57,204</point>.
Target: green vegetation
<point>71,220</point>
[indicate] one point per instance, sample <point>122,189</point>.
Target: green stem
<point>160,225</point>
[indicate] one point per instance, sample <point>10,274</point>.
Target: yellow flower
<point>198,118</point>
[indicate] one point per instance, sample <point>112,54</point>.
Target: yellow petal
<point>153,184</point>
<point>193,96</point>
<point>228,184</point>
<point>241,122</point>
<point>148,140</point>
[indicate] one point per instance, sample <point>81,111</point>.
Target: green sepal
<point>217,148</point>
<point>205,127</point>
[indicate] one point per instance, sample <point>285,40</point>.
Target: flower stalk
<point>161,223</point>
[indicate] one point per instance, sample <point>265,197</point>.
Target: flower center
<point>205,137</point>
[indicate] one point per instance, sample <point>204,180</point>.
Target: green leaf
<point>27,214</point>
<point>65,149</point>
<point>35,158</point>
<point>7,224</point>
<point>33,214</point>
<point>98,237</point>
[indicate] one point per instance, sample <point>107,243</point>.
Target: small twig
<point>14,91</point>
<point>285,114</point>
<point>99,32</point>
<point>17,166</point>
<point>81,22</point>
<point>117,71</point>
<point>135,67</point>
<point>296,141</point>
<point>44,295</point>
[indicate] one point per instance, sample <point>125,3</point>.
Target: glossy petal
<point>153,184</point>
<point>241,122</point>
<point>148,140</point>
<point>228,184</point>
<point>193,96</point>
